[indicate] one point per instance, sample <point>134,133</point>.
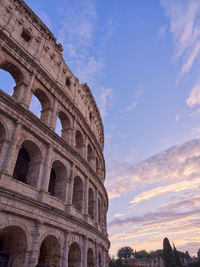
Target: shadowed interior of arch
<point>7,82</point>
<point>13,245</point>
<point>49,252</point>
<point>74,256</point>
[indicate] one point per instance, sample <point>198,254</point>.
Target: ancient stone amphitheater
<point>53,202</point>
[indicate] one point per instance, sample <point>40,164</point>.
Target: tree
<point>168,256</point>
<point>125,253</point>
<point>177,258</point>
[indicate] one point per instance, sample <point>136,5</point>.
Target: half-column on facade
<point>53,202</point>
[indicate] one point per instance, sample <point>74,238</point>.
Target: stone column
<point>8,163</point>
<point>97,255</point>
<point>45,173</point>
<point>27,94</point>
<point>53,117</point>
<point>73,133</point>
<point>65,250</point>
<point>85,151</point>
<point>35,249</point>
<point>85,244</point>
<point>70,186</point>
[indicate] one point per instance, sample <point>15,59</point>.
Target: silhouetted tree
<point>168,256</point>
<point>125,253</point>
<point>177,258</point>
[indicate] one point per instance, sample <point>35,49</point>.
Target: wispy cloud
<point>194,98</point>
<point>137,97</point>
<point>185,26</point>
<point>104,100</point>
<point>177,187</point>
<point>176,164</point>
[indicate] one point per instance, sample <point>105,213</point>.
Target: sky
<point>141,60</point>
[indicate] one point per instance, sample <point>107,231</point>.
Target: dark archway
<point>77,200</point>
<point>49,252</point>
<point>74,256</point>
<point>90,258</point>
<point>13,245</point>
<point>28,164</point>
<point>58,179</point>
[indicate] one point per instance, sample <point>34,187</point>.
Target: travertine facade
<point>53,202</point>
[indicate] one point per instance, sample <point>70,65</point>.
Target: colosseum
<point>53,202</point>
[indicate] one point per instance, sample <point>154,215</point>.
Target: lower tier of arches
<point>27,243</point>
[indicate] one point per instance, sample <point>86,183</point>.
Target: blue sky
<point>141,61</point>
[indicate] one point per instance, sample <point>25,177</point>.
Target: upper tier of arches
<point>32,36</point>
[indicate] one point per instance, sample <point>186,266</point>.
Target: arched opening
<point>74,256</point>
<point>98,169</point>
<point>13,245</point>
<point>9,70</point>
<point>63,126</point>
<point>91,203</point>
<point>40,105</point>
<point>58,179</point>
<point>28,164</point>
<point>79,142</point>
<point>2,135</point>
<point>90,258</point>
<point>49,252</point>
<point>7,82</point>
<point>77,200</point>
<point>89,154</point>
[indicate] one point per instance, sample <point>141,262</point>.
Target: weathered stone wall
<point>52,195</point>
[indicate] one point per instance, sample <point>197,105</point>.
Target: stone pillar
<point>86,197</point>
<point>85,150</point>
<point>103,258</point>
<point>97,255</point>
<point>4,148</point>
<point>85,244</point>
<point>53,119</point>
<point>45,173</point>
<point>35,249</point>
<point>70,186</point>
<point>27,94</point>
<point>65,250</point>
<point>73,133</point>
<point>8,163</point>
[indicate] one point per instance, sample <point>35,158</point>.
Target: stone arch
<point>13,246</point>
<point>57,181</point>
<point>77,199</point>
<point>49,254</point>
<point>79,144</point>
<point>91,203</point>
<point>17,75</point>
<point>66,126</point>
<point>74,255</point>
<point>45,104</point>
<point>90,258</point>
<point>89,154</point>
<point>99,209</point>
<point>28,162</point>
